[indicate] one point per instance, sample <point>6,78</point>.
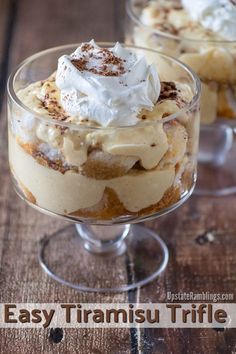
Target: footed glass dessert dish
<point>105,137</point>
<point>201,34</point>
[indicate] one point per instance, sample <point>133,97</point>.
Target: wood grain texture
<point>195,266</point>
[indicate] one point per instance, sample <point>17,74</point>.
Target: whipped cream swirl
<point>108,86</point>
<point>216,15</point>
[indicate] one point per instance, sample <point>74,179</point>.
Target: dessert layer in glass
<point>74,155</point>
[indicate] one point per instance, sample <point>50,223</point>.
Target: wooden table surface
<point>195,265</point>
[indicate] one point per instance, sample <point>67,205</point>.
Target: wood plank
<point>196,265</point>
<point>7,15</point>
<point>48,24</point>
<point>82,341</point>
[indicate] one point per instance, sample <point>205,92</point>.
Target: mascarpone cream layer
<point>146,143</point>
<point>66,193</point>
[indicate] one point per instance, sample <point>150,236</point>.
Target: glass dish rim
<point>136,19</point>
<point>47,119</point>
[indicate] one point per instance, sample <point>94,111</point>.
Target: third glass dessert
<point>104,138</point>
<point>202,34</point>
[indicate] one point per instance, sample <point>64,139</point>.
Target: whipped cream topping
<point>108,86</point>
<point>216,15</point>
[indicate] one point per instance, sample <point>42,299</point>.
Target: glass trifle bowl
<point>105,140</point>
<point>195,32</point>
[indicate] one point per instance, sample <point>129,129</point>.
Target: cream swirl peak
<point>216,15</point>
<point>108,86</point>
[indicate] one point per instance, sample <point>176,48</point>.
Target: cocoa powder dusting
<point>168,91</point>
<point>107,58</point>
<point>80,64</point>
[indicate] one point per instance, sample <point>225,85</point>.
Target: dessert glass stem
<point>216,141</point>
<point>216,161</point>
<point>101,258</point>
<point>103,239</point>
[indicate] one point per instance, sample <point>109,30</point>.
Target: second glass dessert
<point>201,34</point>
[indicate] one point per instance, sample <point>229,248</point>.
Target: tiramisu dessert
<point>202,34</point>
<point>104,136</point>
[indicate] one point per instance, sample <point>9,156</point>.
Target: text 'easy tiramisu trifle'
<point>105,135</point>
<point>202,34</point>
